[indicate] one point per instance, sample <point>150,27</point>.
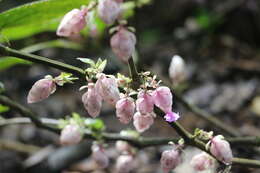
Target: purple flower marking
<point>172,117</point>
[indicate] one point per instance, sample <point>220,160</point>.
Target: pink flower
<point>72,23</point>
<point>125,109</point>
<point>123,146</point>
<point>143,122</point>
<point>177,70</point>
<point>170,159</point>
<point>162,97</point>
<point>109,10</point>
<point>92,101</point>
<point>108,89</point>
<point>100,157</point>
<point>144,103</point>
<point>123,44</point>
<point>202,161</point>
<point>171,117</point>
<point>220,148</point>
<point>125,164</point>
<point>70,135</point>
<point>41,90</point>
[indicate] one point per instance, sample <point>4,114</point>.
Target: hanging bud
<point>123,44</point>
<point>202,161</point>
<point>108,89</point>
<point>123,146</point>
<point>125,164</point>
<point>177,70</point>
<point>220,148</point>
<point>70,135</point>
<point>162,97</point>
<point>109,10</point>
<point>170,159</point>
<point>144,103</point>
<point>143,122</point>
<point>125,109</point>
<point>72,23</point>
<point>92,101</point>
<point>41,90</point>
<point>99,156</point>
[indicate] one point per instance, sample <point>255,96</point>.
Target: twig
<point>17,146</point>
<point>140,142</point>
<point>25,112</point>
<point>6,51</point>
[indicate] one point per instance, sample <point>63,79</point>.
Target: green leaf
<point>35,17</point>
<point>7,62</point>
<point>4,108</point>
<point>102,65</point>
<point>95,124</point>
<point>87,61</point>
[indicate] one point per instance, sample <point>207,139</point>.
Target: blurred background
<point>218,39</point>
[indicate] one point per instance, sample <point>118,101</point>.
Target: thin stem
<point>134,74</point>
<point>6,51</point>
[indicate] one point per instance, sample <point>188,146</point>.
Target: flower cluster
<point>122,42</point>
<point>218,148</point>
<point>140,110</point>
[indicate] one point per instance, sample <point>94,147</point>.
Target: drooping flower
<point>123,44</point>
<point>202,161</point>
<point>99,156</point>
<point>70,135</point>
<point>144,102</point>
<point>72,23</point>
<point>171,117</point>
<point>220,148</point>
<point>92,101</point>
<point>108,89</point>
<point>170,159</point>
<point>177,69</point>
<point>143,122</point>
<point>125,109</point>
<point>162,97</point>
<point>125,164</point>
<point>41,90</point>
<point>109,10</point>
<point>123,146</point>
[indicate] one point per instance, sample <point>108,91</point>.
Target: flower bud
<point>144,103</point>
<point>123,44</point>
<point>70,135</point>
<point>123,146</point>
<point>124,164</point>
<point>220,148</point>
<point>162,97</point>
<point>92,101</point>
<point>72,23</point>
<point>170,159</point>
<point>177,70</point>
<point>125,109</point>
<point>171,116</point>
<point>41,90</point>
<point>143,122</point>
<point>202,161</point>
<point>99,156</point>
<point>108,10</point>
<point>108,89</point>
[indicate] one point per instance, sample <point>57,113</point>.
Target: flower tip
<point>172,117</point>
